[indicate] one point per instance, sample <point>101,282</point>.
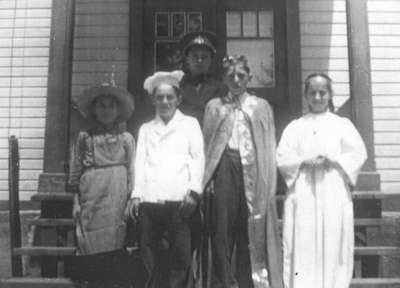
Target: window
<point>169,28</point>
<point>251,33</point>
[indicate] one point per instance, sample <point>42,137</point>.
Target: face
<point>166,101</point>
<point>318,95</point>
<point>236,78</point>
<point>106,110</point>
<point>199,60</point>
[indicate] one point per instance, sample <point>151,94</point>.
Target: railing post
<point>13,193</point>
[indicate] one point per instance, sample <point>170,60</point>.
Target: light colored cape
<point>217,128</point>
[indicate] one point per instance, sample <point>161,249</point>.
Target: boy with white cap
<point>169,169</point>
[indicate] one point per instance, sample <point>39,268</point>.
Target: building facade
<point>53,49</point>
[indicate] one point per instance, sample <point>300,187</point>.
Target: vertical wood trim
<point>360,74</point>
<point>135,58</point>
<point>293,59</point>
<point>59,87</point>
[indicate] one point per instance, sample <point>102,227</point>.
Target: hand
<point>76,211</point>
<point>132,208</point>
<point>189,204</point>
<point>314,162</point>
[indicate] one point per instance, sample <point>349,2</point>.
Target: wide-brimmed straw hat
<point>202,38</point>
<point>123,97</point>
<point>172,78</point>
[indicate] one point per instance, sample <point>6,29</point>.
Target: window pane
<point>260,56</point>
<point>195,22</point>
<point>249,24</point>
<point>266,23</point>
<point>162,24</point>
<point>178,25</point>
<point>233,24</point>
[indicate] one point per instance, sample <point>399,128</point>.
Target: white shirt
<point>169,159</point>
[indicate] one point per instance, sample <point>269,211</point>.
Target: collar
<point>176,118</point>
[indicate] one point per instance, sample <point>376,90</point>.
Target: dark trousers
<point>165,245</point>
<point>229,225</point>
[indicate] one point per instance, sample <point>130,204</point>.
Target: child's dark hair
<point>230,61</point>
<point>329,81</point>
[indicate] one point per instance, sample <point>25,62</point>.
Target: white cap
<point>172,78</point>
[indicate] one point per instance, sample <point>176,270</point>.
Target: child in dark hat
<point>199,85</point>
<point>101,177</point>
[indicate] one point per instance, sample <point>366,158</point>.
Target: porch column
<point>360,84</point>
<point>56,146</point>
<point>58,98</point>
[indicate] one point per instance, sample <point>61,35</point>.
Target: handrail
<point>13,194</point>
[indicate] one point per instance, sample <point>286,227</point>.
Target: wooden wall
<point>100,43</point>
<point>24,49</point>
<point>323,35</point>
<point>384,27</point>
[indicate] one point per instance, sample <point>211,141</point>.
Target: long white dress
<point>318,233</point>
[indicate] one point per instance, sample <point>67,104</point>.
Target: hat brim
<point>187,38</point>
<point>123,97</point>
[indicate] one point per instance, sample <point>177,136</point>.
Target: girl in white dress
<point>319,156</point>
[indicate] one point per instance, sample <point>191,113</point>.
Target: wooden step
<point>45,251</point>
<point>361,222</point>
<point>66,196</point>
<point>374,282</point>
<point>52,222</point>
<point>52,196</point>
<point>362,195</point>
<point>28,282</point>
<point>377,250</point>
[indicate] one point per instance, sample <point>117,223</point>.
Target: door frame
<point>294,89</point>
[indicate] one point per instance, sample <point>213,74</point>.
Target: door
<point>254,28</point>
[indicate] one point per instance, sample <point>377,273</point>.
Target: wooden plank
<point>45,251</point>
<point>99,31</point>
<point>387,137</point>
<point>325,64</point>
<point>13,195</point>
<point>115,7</point>
<point>102,43</point>
<point>388,163</point>
<point>390,175</point>
<point>23,71</point>
<point>385,64</point>
<point>25,42</point>
<point>25,22</point>
<point>102,19</point>
<point>378,250</point>
<point>386,76</point>
<point>389,6</point>
<point>388,150</point>
<point>52,196</point>
<point>322,17</point>
<point>324,52</point>
<point>368,282</point>
<point>379,17</point>
<point>385,89</point>
<point>322,29</point>
<point>391,187</point>
<point>51,222</point>
<point>317,5</point>
<point>23,91</point>
<point>386,113</point>
<point>100,54</point>
<point>324,40</point>
<point>25,32</point>
<point>384,29</point>
<point>25,282</point>
<point>99,66</point>
<point>386,101</point>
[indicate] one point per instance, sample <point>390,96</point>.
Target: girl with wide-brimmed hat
<point>101,177</point>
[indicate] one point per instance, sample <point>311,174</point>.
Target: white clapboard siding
<point>384,28</point>
<point>24,56</point>
<point>324,43</point>
<point>101,43</point>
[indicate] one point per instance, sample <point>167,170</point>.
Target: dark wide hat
<point>123,97</point>
<point>201,38</point>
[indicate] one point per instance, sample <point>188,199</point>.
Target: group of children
<point>201,182</point>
